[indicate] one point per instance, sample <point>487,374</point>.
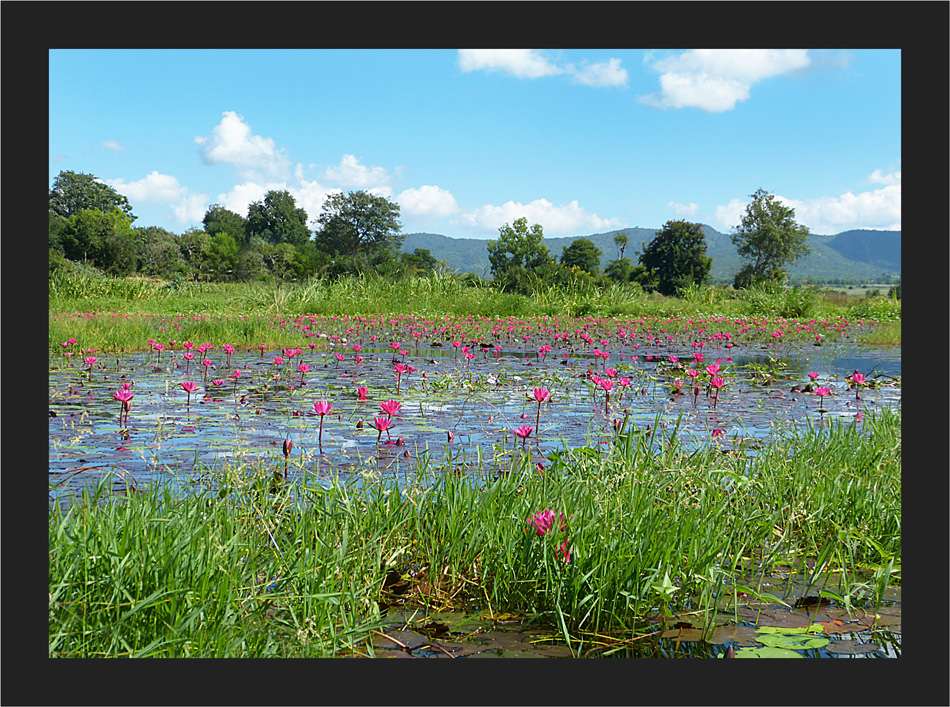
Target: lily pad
<point>847,647</point>
<point>793,641</point>
<point>767,652</point>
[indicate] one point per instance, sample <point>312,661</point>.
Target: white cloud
<point>730,215</point>
<point>714,80</point>
<point>191,208</point>
<point>243,195</point>
<point>311,195</point>
<point>113,145</point>
<point>427,200</point>
<point>880,208</point>
<point>683,209</point>
<point>351,174</point>
<point>532,64</point>
<point>254,157</point>
<point>154,189</point>
<point>521,63</point>
<point>877,209</point>
<point>555,220</point>
<point>878,177</point>
<point>186,206</point>
<point>605,73</point>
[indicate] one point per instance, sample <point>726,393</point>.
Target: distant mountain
<point>859,254</point>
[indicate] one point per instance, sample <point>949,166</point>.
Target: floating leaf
<point>852,648</point>
<point>766,652</point>
<point>792,638</point>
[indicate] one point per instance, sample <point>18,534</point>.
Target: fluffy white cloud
<point>730,215</point>
<point>427,200</point>
<point>876,209</point>
<point>605,73</point>
<point>521,63</point>
<point>555,220</point>
<point>880,208</point>
<point>253,156</point>
<point>310,195</point>
<point>243,195</point>
<point>532,64</point>
<point>113,145</point>
<point>878,177</point>
<point>191,208</point>
<point>186,206</point>
<point>351,174</point>
<point>154,189</point>
<point>714,80</point>
<point>683,209</point>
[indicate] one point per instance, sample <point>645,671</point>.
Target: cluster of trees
<point>675,258</point>
<point>767,236</point>
<point>91,223</point>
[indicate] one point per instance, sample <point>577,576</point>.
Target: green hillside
<point>855,255</point>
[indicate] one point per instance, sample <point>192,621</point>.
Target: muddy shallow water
<point>480,401</point>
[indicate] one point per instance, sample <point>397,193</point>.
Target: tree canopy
<point>277,219</point>
<point>621,240</point>
<point>218,219</point>
<point>769,238</point>
<point>676,257</point>
<point>358,224</point>
<point>583,254</point>
<point>103,239</point>
<point>517,252</point>
<point>74,192</point>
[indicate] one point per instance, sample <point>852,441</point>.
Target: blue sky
<point>580,141</point>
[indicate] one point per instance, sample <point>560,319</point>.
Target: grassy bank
<point>245,568</point>
<point>111,314</point>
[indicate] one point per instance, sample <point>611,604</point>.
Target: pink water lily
<point>321,408</point>
<point>124,396</point>
<point>524,432</point>
<point>400,369</point>
<point>391,407</point>
<point>857,380</point>
<point>380,424</point>
<point>542,522</point>
<point>541,394</point>
<point>189,387</point>
<point>821,391</point>
<point>362,392</point>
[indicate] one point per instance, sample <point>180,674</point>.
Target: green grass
<point>110,314</point>
<point>298,572</point>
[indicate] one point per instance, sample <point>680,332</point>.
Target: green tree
<point>517,252</point>
<point>358,224</point>
<point>159,254</point>
<point>676,257</point>
<point>769,238</point>
<point>218,219</point>
<point>277,219</point>
<point>74,192</point>
<point>104,239</point>
<point>57,224</point>
<point>619,270</point>
<point>195,247</point>
<point>582,253</point>
<point>621,240</point>
<point>223,256</point>
<point>421,260</point>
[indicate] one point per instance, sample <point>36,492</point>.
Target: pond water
<point>479,402</point>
